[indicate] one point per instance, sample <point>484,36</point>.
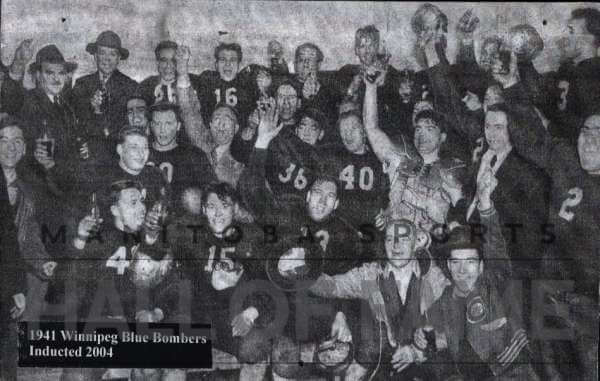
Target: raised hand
<point>24,51</point>
<point>267,127</point>
<point>467,25</point>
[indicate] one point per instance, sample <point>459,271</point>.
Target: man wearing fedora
<point>49,118</point>
<point>100,99</point>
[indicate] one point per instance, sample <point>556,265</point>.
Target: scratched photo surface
<point>343,190</point>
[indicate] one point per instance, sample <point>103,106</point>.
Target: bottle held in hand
<point>94,207</point>
<point>46,139</point>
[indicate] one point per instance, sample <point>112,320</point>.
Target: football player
<point>366,187</point>
<point>227,84</point>
<point>162,87</point>
<point>215,137</point>
<point>182,165</point>
<point>133,152</point>
<point>223,258</point>
<point>423,184</point>
<point>137,113</point>
<point>314,91</point>
<point>367,46</point>
<point>101,261</point>
<point>576,80</point>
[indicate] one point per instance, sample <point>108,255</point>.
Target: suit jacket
<point>119,86</point>
<point>522,197</point>
<point>61,124</point>
<point>12,268</point>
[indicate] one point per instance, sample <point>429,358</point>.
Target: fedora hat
<point>109,39</point>
<point>51,54</point>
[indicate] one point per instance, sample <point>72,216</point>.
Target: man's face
<point>166,64</point>
<point>428,137</point>
<point>287,102</point>
<point>107,59</point>
<point>308,131</point>
<point>219,213</point>
<point>136,113</point>
<point>52,78</point>
<point>366,50</point>
<point>496,131</point>
<point>578,38</point>
<point>223,126</point>
<point>493,96</point>
<point>306,64</point>
<point>12,146</point>
<point>465,267</point>
<point>353,134</point>
<point>490,53</point>
<point>130,209</point>
<point>588,145</point>
<point>322,200</point>
<point>164,127</point>
<point>399,244</point>
<point>471,101</point>
<point>228,64</point>
<point>405,90</point>
<point>133,152</point>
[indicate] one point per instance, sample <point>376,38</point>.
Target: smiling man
<point>45,111</point>
<point>182,165</point>
<point>227,84</point>
<point>100,98</point>
<point>399,290</point>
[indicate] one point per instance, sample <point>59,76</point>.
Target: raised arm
<point>188,101</point>
<point>383,147</point>
<point>353,284</point>
<point>252,182</point>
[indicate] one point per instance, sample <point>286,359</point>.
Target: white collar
<point>403,274</point>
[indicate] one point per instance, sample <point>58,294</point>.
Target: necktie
<point>493,163</point>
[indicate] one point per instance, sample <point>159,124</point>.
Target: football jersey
<point>240,93</point>
<point>184,166</point>
<point>103,267</point>
<point>150,178</point>
<point>575,202</point>
<point>365,188</point>
<point>201,255</point>
<point>292,164</point>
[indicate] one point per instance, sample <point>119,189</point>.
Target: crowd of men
<point>411,214</point>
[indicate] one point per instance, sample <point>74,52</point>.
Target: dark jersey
<point>150,178</point>
<point>200,252</point>
<point>365,188</point>
<point>575,201</point>
<point>153,91</point>
<point>240,94</point>
<point>183,167</point>
<point>575,95</point>
<point>291,164</point>
<point>103,268</point>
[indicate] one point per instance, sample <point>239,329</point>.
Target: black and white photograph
<point>299,190</point>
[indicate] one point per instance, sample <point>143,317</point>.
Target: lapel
<point>47,107</point>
